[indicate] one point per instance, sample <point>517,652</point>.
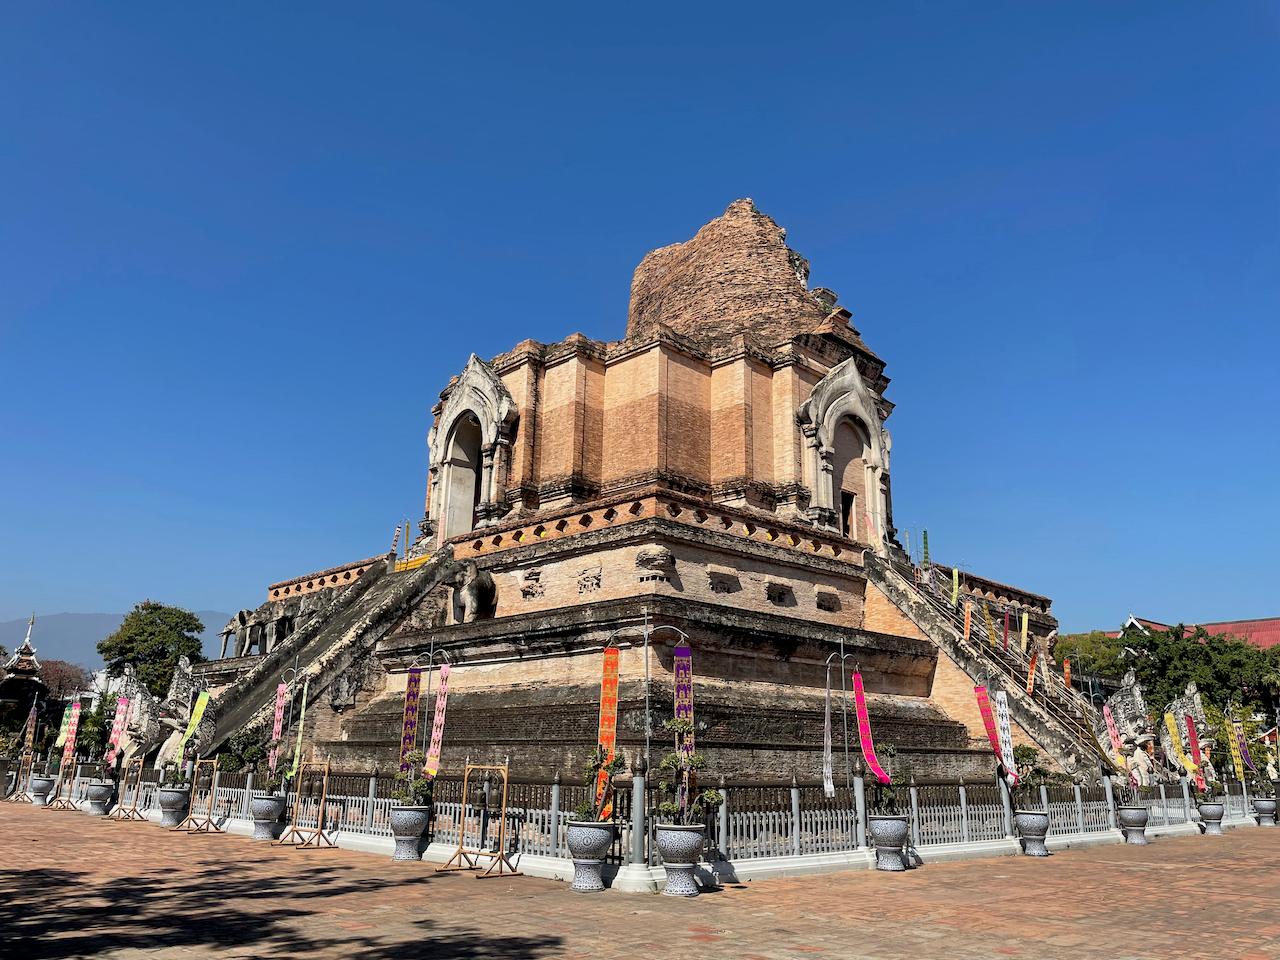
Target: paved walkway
<point>73,886</point>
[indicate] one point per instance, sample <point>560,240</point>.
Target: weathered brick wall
<point>883,616</point>
<point>736,275</point>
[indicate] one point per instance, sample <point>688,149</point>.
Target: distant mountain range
<point>75,636</point>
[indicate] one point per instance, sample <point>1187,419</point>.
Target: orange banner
<point>1066,672</point>
<point>608,736</point>
<point>1031,673</point>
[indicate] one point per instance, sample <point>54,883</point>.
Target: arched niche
<point>470,451</point>
<point>846,453</point>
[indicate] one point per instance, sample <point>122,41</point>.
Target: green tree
<point>152,638</point>
<point>93,732</point>
<point>1092,654</point>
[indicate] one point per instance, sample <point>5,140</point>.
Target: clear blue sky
<point>243,246</point>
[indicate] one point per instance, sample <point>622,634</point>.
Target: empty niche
<point>780,594</point>
<point>724,581</point>
<point>828,600</point>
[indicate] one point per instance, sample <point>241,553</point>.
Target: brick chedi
<point>721,473</point>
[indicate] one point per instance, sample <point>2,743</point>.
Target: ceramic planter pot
<point>408,825</point>
<point>97,797</point>
<point>174,803</point>
<point>1211,813</point>
<point>589,842</point>
<point>680,846</point>
<point>889,837</point>
<point>266,808</point>
<point>41,787</point>
<point>1033,827</point>
<point>1133,821</point>
<point>1264,811</point>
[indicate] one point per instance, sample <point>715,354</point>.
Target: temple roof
<point>23,661</point>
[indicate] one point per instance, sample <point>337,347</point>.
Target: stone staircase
<point>342,631</point>
<point>1057,717</point>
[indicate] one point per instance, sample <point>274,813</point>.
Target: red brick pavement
<point>73,886</point>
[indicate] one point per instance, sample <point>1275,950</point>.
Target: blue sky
<point>243,246</point>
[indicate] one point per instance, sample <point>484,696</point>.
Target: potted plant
<point>267,806</point>
<point>685,810</point>
<point>887,824</point>
<point>174,795</point>
<point>1030,815</point>
<point>1132,814</point>
<point>589,835</point>
<point>1264,802</point>
<point>412,813</point>
<point>1211,806</point>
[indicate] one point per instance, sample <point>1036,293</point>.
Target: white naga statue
<point>1141,763</point>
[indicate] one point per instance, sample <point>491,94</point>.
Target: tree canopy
<point>1225,669</point>
<point>152,637</point>
<point>63,678</point>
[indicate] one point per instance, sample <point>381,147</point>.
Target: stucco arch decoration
<point>479,392</point>
<point>843,393</point>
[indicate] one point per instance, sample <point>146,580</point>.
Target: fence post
<point>964,813</point>
<point>555,811</point>
<point>1109,791</point>
<point>213,793</point>
<point>638,824</point>
<point>1186,798</point>
<point>723,822</point>
<point>859,809</point>
<point>915,813</point>
<point>795,816</point>
<point>248,793</point>
<point>1007,803</point>
<point>1164,803</point>
<point>1244,792</point>
<point>373,795</point>
<point>1079,807</point>
<point>1044,797</point>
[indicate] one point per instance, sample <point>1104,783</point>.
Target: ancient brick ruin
<point>724,470</point>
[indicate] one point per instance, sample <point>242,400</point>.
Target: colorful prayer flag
<point>1066,671</point>
<point>302,720</point>
<point>1005,728</point>
<point>277,727</point>
<point>1031,673</point>
<point>968,617</point>
<point>437,724</point>
<point>117,729</point>
<point>607,736</point>
<point>864,730</point>
<point>409,721</point>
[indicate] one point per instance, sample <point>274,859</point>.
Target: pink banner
<point>437,726</point>
<point>864,730</point>
<point>69,751</point>
<point>1112,730</point>
<point>1193,739</point>
<point>117,729</point>
<point>409,721</point>
<point>989,722</point>
<point>277,728</point>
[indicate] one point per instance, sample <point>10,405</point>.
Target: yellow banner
<point>1024,633</point>
<point>955,585</point>
<point>968,617</point>
<point>302,716</point>
<point>1178,750</point>
<point>1237,760</point>
<point>991,624</point>
<point>196,714</point>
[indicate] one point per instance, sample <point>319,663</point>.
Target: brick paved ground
<point>72,886</point>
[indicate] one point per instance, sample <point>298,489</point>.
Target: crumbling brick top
<point>736,276</point>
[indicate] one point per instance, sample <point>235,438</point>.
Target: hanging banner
<point>409,722</point>
<point>29,730</point>
<point>1031,673</point>
<point>1005,729</point>
<point>302,721</point>
<point>607,736</point>
<point>1193,740</point>
<point>1113,733</point>
<point>117,730</point>
<point>864,730</point>
<point>1175,740</point>
<point>828,782</point>
<point>62,727</point>
<point>683,666</point>
<point>991,625</point>
<point>69,749</point>
<point>1237,761</point>
<point>955,585</point>
<point>1024,632</point>
<point>989,722</point>
<point>277,727</point>
<point>1006,630</point>
<point>968,617</point>
<point>197,714</point>
<point>1066,671</point>
<point>437,724</point>
<point>1238,729</point>
<point>925,536</point>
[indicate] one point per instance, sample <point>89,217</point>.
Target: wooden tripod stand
<point>56,800</point>
<point>20,794</point>
<point>468,858</point>
<point>201,822</point>
<point>313,838</point>
<point>131,812</point>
